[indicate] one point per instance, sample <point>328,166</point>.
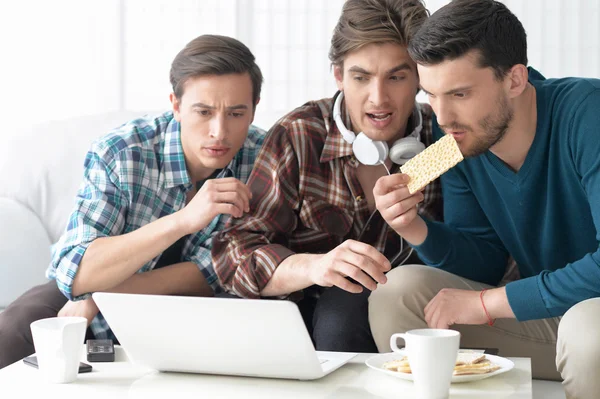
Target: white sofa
<point>40,170</point>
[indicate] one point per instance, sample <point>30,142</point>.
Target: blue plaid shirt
<point>133,176</point>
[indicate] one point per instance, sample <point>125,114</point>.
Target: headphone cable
<point>395,258</point>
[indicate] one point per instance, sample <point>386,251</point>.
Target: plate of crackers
<point>470,365</point>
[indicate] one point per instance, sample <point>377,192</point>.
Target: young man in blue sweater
<point>529,187</point>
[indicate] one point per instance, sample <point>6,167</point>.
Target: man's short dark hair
<point>214,55</point>
<point>461,26</point>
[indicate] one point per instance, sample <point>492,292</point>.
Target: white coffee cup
<point>432,356</point>
<point>58,344</point>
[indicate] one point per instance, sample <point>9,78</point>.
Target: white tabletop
<point>122,379</point>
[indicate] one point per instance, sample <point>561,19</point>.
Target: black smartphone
<point>32,361</point>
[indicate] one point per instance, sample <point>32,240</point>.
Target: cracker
<point>482,367</point>
<point>400,365</point>
<point>469,358</point>
<point>433,162</point>
<point>466,364</point>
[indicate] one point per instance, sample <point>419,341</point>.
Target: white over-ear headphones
<point>370,152</point>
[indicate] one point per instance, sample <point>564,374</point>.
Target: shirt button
<point>359,198</point>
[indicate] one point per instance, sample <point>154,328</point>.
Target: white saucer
<point>376,363</point>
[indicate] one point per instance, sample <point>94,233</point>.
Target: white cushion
<point>24,250</point>
<point>42,166</point>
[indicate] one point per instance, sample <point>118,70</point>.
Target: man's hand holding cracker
<point>397,205</point>
<point>397,196</point>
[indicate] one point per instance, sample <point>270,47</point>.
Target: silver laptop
<point>254,338</point>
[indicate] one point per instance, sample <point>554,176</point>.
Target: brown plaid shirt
<point>306,198</point>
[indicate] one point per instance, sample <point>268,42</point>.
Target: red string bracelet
<point>490,320</point>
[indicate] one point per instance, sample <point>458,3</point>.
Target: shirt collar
<point>335,146</point>
<point>174,170</point>
<point>233,165</point>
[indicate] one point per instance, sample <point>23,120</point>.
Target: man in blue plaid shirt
<point>155,191</point>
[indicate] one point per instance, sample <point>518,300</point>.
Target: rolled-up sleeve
<point>99,211</point>
<point>246,254</point>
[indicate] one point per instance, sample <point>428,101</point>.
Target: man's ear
<point>176,105</point>
<point>338,73</point>
<point>254,110</point>
<point>517,80</point>
<point>418,81</point>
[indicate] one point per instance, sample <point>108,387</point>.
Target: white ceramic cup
<point>58,344</point>
<point>432,356</point>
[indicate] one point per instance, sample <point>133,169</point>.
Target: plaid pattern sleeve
<point>275,199</point>
<point>99,212</point>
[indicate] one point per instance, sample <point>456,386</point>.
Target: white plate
<point>376,363</point>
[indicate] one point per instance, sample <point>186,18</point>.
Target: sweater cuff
<point>525,299</point>
<point>436,247</point>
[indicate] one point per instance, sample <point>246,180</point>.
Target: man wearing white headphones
<point>312,234</point>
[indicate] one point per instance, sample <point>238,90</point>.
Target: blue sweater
<point>547,215</point>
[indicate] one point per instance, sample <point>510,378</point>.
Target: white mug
<point>432,356</point>
<point>58,344</point>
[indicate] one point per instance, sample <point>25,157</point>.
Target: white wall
<point>59,59</point>
<point>563,36</point>
<point>289,38</point>
<point>64,58</point>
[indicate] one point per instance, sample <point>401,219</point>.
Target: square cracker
<point>483,367</point>
<point>464,358</point>
<point>430,164</point>
<point>400,365</point>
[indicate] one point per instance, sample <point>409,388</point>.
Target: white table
<point>122,379</point>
